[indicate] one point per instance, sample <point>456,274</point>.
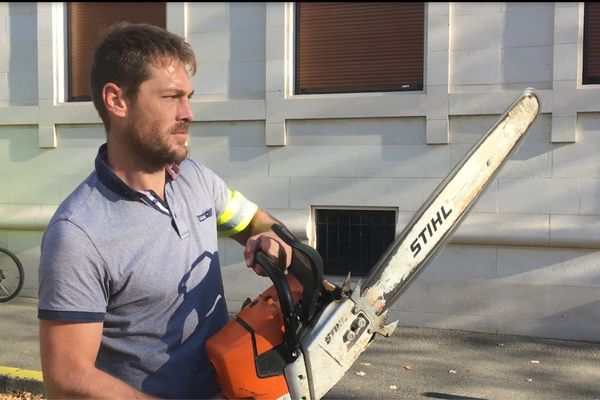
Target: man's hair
<point>124,54</point>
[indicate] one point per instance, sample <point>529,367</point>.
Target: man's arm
<point>68,354</point>
<point>258,235</point>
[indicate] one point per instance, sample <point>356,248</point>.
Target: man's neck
<point>133,172</point>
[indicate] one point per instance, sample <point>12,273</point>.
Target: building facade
<point>525,261</point>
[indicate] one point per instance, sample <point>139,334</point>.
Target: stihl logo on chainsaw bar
<point>429,230</point>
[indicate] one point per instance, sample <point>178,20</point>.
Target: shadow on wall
<point>247,50</point>
<point>527,45</point>
<point>22,71</point>
<point>543,292</point>
<point>505,46</point>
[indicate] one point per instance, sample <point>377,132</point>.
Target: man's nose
<point>185,110</point>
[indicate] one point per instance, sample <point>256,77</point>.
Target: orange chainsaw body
<point>233,351</point>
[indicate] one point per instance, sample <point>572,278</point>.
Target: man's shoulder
<point>190,169</point>
<point>78,202</point>
<point>189,165</point>
<point>198,181</point>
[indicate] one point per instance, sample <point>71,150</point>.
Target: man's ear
<point>114,100</point>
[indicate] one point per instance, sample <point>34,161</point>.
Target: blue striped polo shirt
<point>148,269</point>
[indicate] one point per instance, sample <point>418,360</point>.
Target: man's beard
<point>150,146</point>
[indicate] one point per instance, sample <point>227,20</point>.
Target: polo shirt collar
<point>114,183</point>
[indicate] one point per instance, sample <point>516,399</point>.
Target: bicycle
<point>11,275</point>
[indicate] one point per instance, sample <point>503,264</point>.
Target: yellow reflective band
<point>240,227</point>
<point>237,215</point>
<point>230,209</point>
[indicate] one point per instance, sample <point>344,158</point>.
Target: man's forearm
<point>259,236</point>
<point>260,223</point>
<point>89,384</point>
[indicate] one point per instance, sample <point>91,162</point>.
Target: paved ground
<point>414,363</point>
<point>442,364</point>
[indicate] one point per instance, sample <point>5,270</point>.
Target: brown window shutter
<point>86,21</point>
<point>591,44</point>
<point>359,47</point>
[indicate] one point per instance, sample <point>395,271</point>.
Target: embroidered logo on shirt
<point>206,214</point>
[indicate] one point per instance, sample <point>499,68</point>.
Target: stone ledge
<point>25,217</point>
<point>17,380</point>
<point>485,229</point>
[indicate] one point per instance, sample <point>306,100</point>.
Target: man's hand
<point>259,236</point>
<point>270,244</point>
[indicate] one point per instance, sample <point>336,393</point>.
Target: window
<point>86,21</point>
<point>353,240</point>
<point>359,47</point>
<point>591,44</point>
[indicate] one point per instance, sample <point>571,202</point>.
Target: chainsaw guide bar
<point>298,339</point>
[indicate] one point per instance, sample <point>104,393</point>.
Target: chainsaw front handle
<point>286,302</point>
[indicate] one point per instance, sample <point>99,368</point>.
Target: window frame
<point>297,90</point>
<point>69,88</point>
<point>586,79</point>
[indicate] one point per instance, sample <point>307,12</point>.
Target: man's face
<point>159,117</point>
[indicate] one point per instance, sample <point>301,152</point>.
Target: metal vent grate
<point>353,240</point>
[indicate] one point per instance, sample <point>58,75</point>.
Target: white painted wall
<point>525,261</point>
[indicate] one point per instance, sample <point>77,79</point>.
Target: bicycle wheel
<point>11,275</point>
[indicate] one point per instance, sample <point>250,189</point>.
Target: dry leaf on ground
<point>20,396</point>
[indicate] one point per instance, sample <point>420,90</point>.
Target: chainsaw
<point>297,339</point>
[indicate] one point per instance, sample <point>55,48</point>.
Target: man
<point>130,287</point>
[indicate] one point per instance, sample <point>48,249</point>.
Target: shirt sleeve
<point>233,210</point>
<point>237,214</point>
<point>73,282</point>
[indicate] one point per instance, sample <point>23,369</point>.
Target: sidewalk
<point>415,363</point>
<point>19,347</point>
